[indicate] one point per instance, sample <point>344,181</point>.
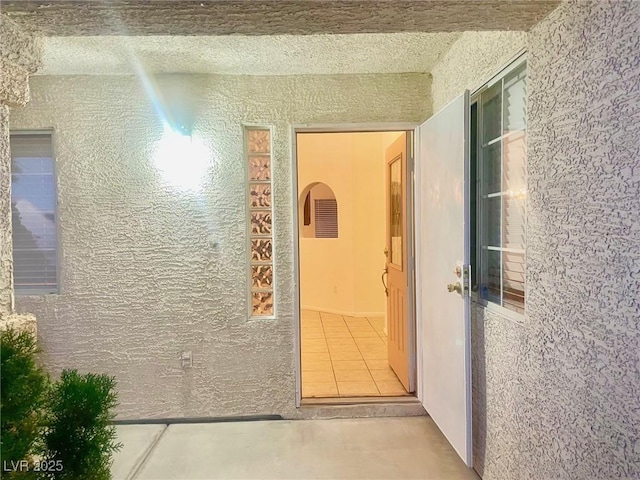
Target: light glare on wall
<point>181,160</point>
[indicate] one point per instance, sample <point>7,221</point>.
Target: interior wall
<point>343,275</point>
<point>326,267</point>
<point>146,271</point>
<point>555,396</point>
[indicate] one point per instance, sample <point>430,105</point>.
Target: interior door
<point>398,333</point>
<point>442,259</point>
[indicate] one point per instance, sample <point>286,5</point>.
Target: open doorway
<point>355,241</point>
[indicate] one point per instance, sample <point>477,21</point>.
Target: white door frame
<point>347,128</point>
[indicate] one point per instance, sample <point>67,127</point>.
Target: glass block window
<point>33,209</point>
<point>498,118</point>
<point>258,141</point>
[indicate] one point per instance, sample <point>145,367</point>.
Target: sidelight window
<point>498,157</point>
<point>259,158</point>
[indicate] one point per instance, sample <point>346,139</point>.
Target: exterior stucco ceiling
<point>272,17</point>
<point>240,55</point>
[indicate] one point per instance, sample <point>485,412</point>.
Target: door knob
<point>454,287</point>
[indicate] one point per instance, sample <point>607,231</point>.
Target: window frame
<point>41,291</point>
<point>491,305</point>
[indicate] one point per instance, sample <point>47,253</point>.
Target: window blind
<point>514,190</point>
<point>502,189</point>
<point>33,208</point>
<point>326,211</point>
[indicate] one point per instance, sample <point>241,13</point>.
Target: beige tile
<point>316,356</point>
<point>360,333</point>
<point>374,354</point>
<point>353,376</point>
<point>334,324</point>
<point>376,322</point>
<point>315,376</point>
<point>348,341</point>
<point>339,365</point>
<point>330,316</point>
<point>343,355</point>
<point>374,345</point>
<point>311,327</point>
<point>313,324</point>
<point>357,388</point>
<point>331,325</point>
<point>384,375</point>
<point>361,326</point>
<point>310,366</point>
<point>345,347</point>
<point>337,333</point>
<point>314,347</point>
<point>391,388</point>
<point>308,334</point>
<point>331,328</point>
<point>357,322</point>
<point>311,313</point>
<point>370,341</point>
<point>379,347</point>
<point>314,341</point>
<point>376,364</point>
<point>319,389</point>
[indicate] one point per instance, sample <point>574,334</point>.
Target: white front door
<point>442,247</point>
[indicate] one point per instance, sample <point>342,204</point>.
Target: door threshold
<point>409,399</point>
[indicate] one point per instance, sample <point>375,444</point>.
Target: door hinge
<point>466,279</point>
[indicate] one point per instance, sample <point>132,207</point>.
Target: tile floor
<point>345,356</point>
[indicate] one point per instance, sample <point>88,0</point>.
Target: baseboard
<point>342,312</point>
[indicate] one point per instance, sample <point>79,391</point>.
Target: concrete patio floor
<point>367,448</point>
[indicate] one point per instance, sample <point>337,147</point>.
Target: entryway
<point>358,358</point>
<point>425,270</point>
<point>357,328</point>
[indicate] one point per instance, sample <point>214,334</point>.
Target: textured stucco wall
<point>246,55</point>
<point>555,396</point>
<point>20,55</point>
<point>470,61</point>
<point>274,17</point>
<point>140,280</point>
<point>6,271</point>
<point>583,243</point>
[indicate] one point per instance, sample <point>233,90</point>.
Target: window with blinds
<point>33,208</point>
<point>326,212</point>
<point>498,120</point>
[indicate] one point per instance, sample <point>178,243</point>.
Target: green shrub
<point>80,436</point>
<point>23,386</point>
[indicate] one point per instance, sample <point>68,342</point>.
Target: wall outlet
<point>186,359</point>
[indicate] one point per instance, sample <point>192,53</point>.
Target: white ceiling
<point>246,55</point>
